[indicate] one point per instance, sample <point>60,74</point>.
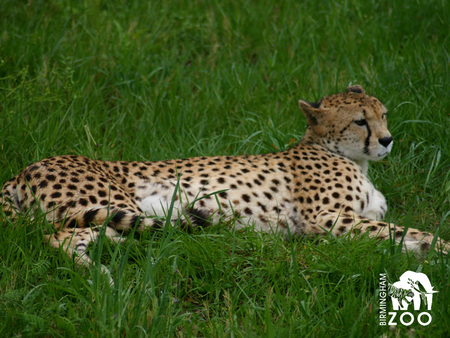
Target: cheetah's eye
<point>361,122</point>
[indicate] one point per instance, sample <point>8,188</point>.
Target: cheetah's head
<point>352,124</point>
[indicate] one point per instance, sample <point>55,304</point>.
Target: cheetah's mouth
<point>383,153</point>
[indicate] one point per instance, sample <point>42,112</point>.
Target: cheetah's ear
<point>314,115</point>
<point>311,111</point>
<point>355,89</point>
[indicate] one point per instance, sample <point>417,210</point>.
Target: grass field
<point>131,80</point>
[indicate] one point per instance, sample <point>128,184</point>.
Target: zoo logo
<point>407,291</point>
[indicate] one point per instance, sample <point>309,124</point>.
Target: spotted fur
<point>318,186</point>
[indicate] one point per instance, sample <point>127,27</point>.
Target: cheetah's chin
<point>385,152</point>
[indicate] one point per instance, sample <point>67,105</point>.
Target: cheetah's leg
<point>82,228</point>
<point>339,224</point>
<point>76,241</point>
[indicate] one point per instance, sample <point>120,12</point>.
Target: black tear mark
<point>367,142</point>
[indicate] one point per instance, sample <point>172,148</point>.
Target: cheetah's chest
<point>376,205</point>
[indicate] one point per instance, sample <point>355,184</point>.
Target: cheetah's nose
<point>385,141</point>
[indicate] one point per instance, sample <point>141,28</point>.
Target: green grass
<point>131,80</point>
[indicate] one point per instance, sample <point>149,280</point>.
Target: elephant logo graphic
<point>413,287</point>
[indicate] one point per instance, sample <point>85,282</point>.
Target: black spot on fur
<point>199,217</point>
<point>50,177</point>
<point>158,224</point>
<point>262,206</point>
<point>89,216</point>
<point>135,221</point>
<point>117,218</point>
<point>425,246</point>
<point>72,224</point>
<point>71,204</point>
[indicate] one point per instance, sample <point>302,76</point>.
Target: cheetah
<point>316,187</point>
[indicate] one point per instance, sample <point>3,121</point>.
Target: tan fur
<point>320,185</point>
